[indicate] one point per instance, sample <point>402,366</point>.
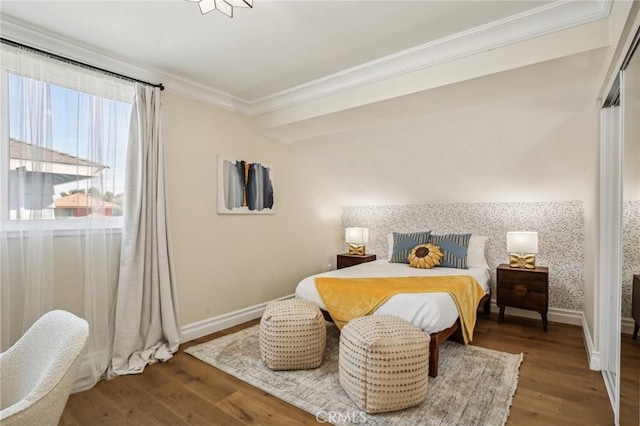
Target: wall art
<point>244,187</point>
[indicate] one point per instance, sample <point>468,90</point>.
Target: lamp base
<point>357,249</point>
<point>526,261</point>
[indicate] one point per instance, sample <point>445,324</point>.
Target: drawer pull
<point>520,290</point>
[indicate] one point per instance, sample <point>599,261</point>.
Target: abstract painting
<point>244,187</point>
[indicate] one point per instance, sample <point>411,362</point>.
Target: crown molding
<point>537,22</point>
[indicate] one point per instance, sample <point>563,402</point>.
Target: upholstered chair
<point>37,372</point>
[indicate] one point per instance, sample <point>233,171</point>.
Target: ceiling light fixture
<point>224,6</point>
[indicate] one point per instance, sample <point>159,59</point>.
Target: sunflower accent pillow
<point>425,256</point>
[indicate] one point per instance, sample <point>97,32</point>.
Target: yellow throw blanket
<point>349,298</point>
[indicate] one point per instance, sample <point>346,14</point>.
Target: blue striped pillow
<point>455,248</point>
<point>404,243</point>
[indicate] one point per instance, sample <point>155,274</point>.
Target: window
<point>63,157</point>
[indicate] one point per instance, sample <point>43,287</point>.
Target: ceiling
<point>274,47</point>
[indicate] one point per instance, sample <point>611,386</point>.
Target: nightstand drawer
<point>535,284</point>
<point>522,297</point>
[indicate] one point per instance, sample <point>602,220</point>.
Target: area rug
<point>474,386</point>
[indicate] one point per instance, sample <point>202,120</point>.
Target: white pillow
<point>390,244</point>
<point>475,253</point>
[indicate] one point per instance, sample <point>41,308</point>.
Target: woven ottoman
<point>293,335</point>
<point>384,363</point>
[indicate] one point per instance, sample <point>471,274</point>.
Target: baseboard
<point>627,325</point>
<point>211,325</point>
<point>592,355</point>
<point>563,316</point>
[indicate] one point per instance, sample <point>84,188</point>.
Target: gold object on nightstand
<point>527,261</point>
<point>356,249</point>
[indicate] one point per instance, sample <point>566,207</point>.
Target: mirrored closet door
<point>620,238</point>
<point>630,233</point>
<point>610,255</point>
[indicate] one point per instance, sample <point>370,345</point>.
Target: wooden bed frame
<point>441,336</point>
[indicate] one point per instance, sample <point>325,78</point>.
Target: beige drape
<point>146,321</point>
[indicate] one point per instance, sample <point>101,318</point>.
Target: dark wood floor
<point>629,381</point>
<point>555,386</point>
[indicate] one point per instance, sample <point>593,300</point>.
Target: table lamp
<point>356,238</point>
<point>522,248</point>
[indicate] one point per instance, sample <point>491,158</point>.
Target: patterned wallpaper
<point>560,227</point>
<point>630,251</point>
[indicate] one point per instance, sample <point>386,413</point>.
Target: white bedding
<point>432,312</point>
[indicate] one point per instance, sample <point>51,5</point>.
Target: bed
<point>435,313</point>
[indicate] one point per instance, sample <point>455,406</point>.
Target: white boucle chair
<point>37,372</point>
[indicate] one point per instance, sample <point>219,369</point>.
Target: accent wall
<point>560,227</point>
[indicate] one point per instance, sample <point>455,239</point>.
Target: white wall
<point>524,135</point>
<point>228,262</point>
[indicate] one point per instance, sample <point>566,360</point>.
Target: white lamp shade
<point>356,236</point>
<point>522,242</point>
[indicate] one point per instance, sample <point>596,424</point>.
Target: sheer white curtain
<point>62,162</point>
<point>146,313</point>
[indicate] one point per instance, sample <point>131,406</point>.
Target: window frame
<point>60,227</point>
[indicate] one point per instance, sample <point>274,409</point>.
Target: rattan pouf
<point>384,363</point>
<point>293,335</point>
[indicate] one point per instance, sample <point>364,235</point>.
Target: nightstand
<point>524,289</point>
<point>345,259</point>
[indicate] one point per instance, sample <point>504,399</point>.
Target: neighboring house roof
<point>64,167</point>
<point>80,200</point>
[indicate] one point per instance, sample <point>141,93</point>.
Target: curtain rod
<point>78,63</point>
